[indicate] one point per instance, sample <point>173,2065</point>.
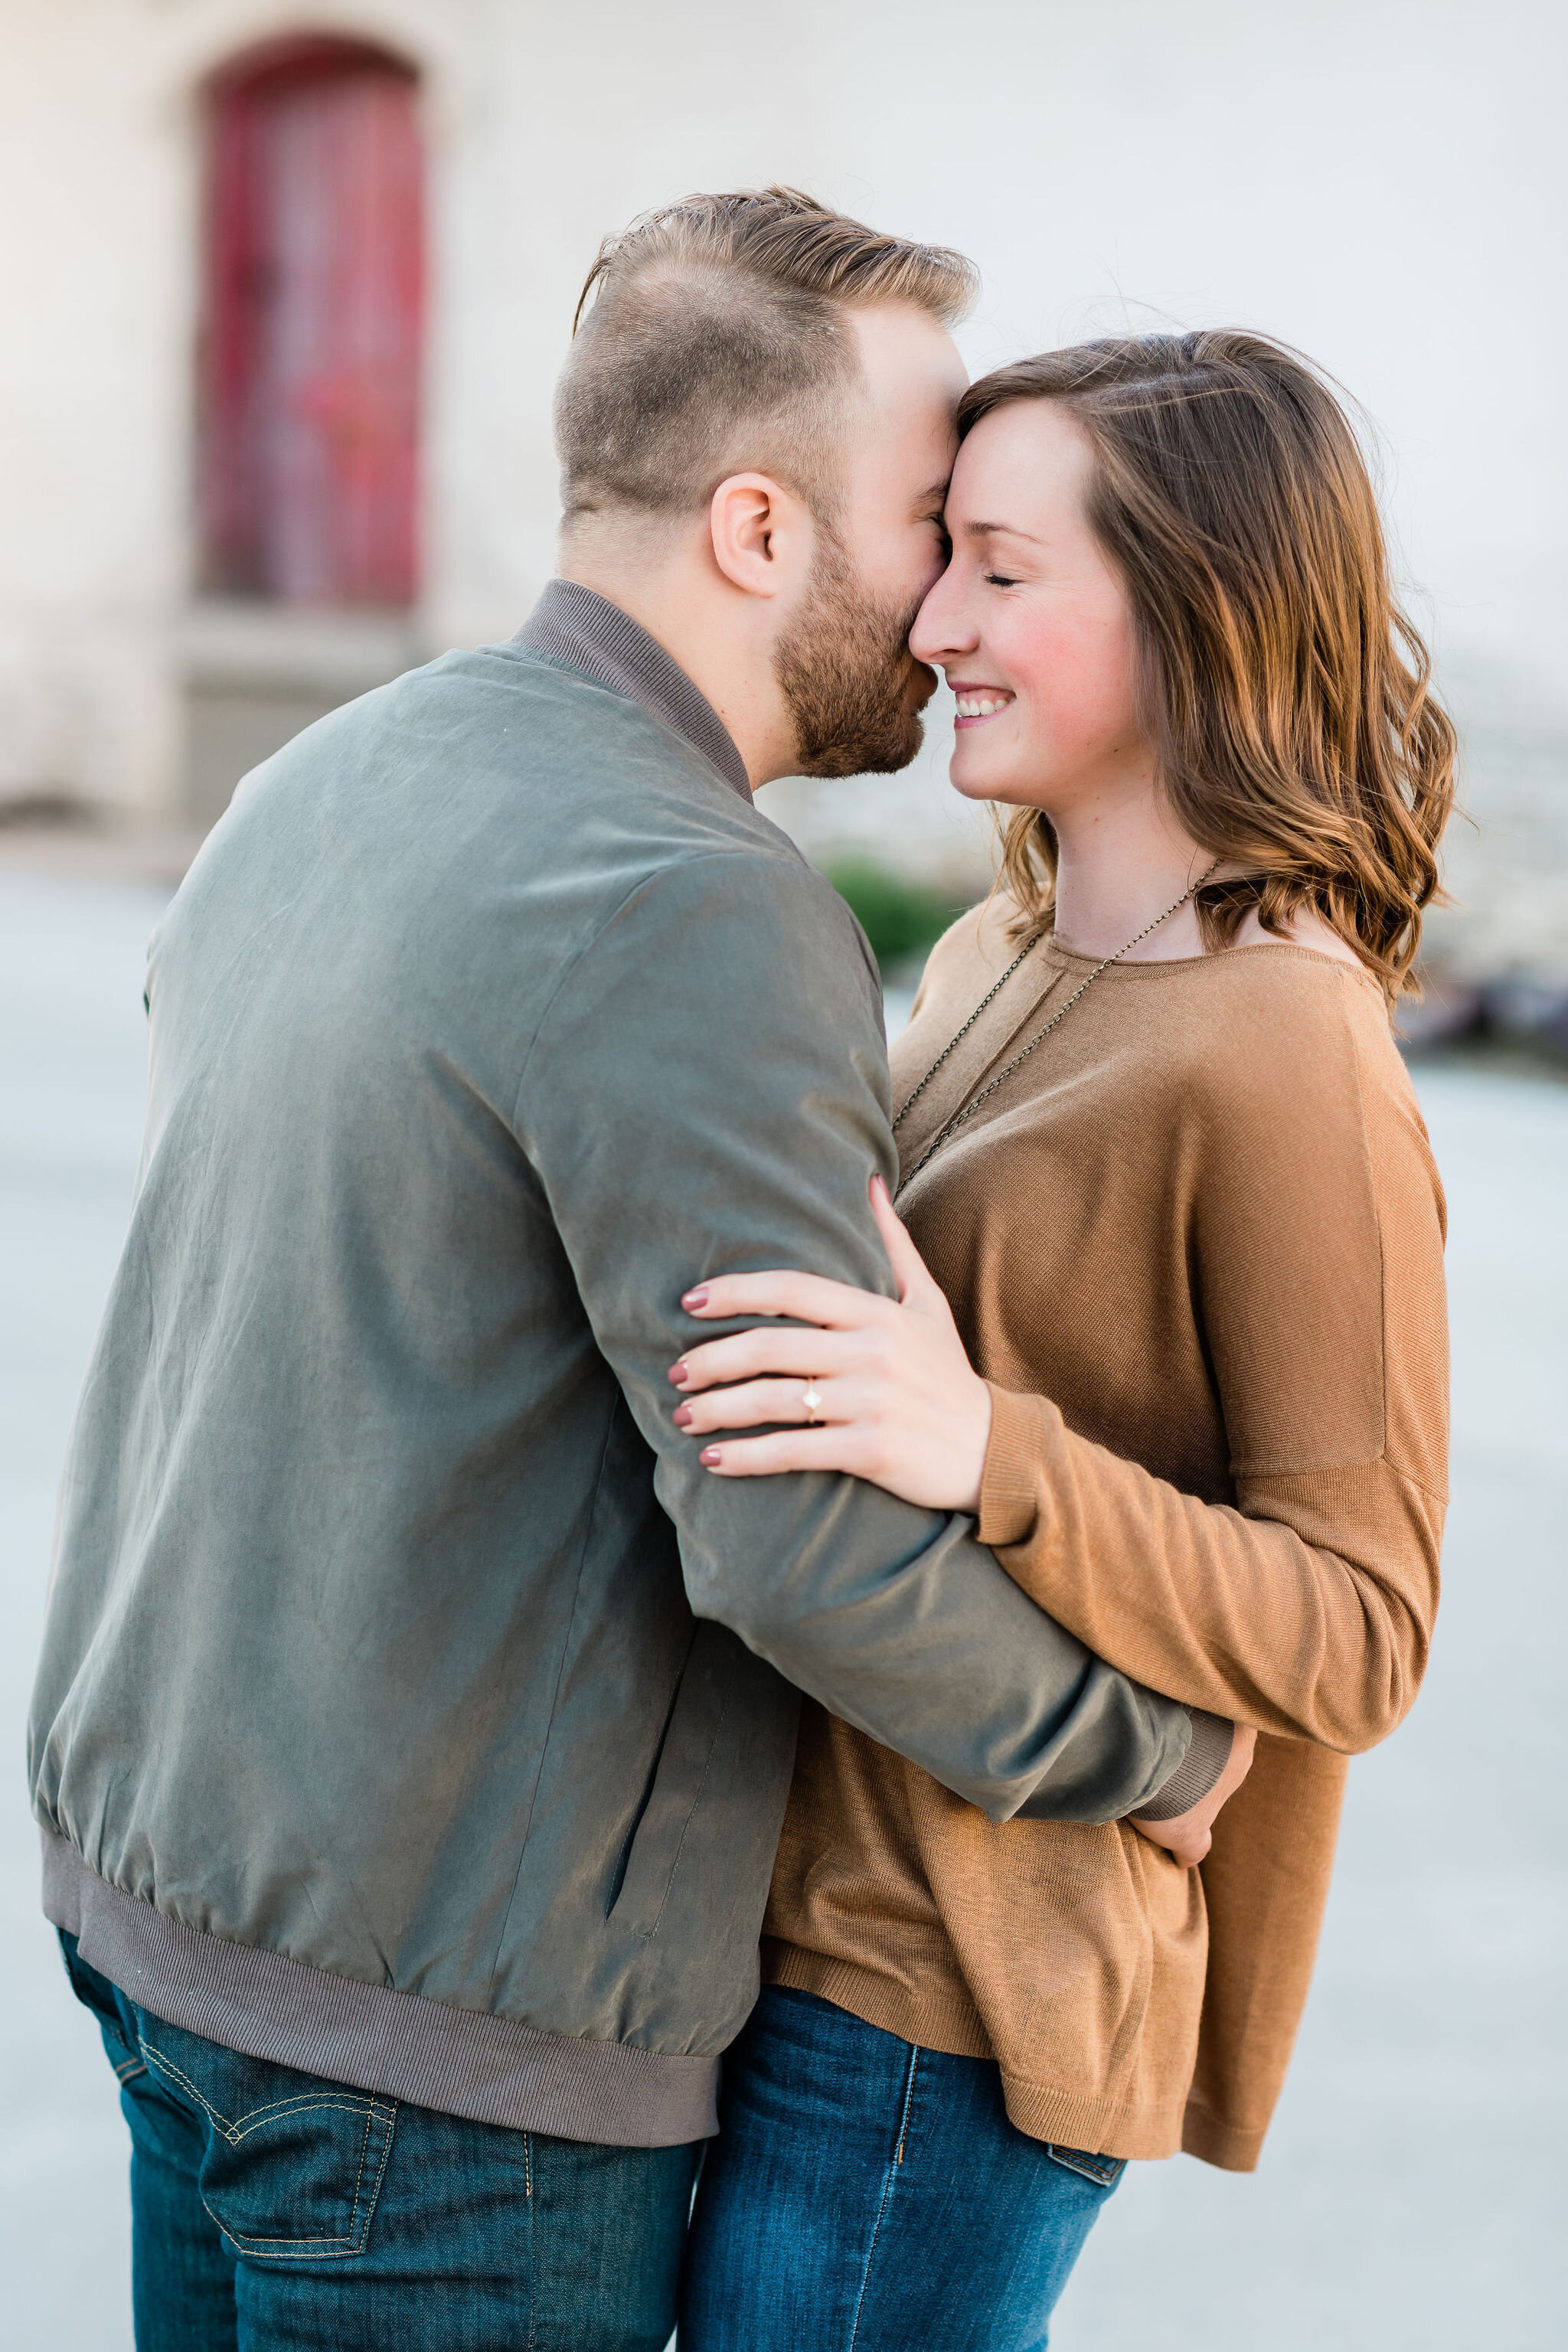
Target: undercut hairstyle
<point>712,337</point>
<point>1287,693</point>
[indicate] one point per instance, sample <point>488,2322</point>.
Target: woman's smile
<point>978,703</point>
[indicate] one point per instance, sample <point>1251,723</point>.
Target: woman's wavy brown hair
<point>1286,694</point>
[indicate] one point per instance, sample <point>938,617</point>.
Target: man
<point>416,1716</point>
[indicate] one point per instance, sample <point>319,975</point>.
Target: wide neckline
<point>1220,958</point>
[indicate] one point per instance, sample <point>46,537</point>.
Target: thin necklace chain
<point>967,1113</point>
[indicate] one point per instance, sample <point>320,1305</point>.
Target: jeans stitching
<point>909,2096</point>
<point>533,2244</point>
<point>882,2206</point>
<point>380,2176</point>
<point>167,2066</point>
<point>375,2197</point>
<point>254,2117</point>
<point>250,2244</point>
<point>298,2249</point>
<point>359,2181</point>
<point>1103,2170</point>
<point>372,2110</point>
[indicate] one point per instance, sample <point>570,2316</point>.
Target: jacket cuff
<point>1213,1738</point>
<point>1010,1482</point>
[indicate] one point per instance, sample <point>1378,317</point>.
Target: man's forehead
<point>906,434</point>
<point>904,349</point>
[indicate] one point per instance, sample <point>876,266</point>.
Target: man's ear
<point>762,534</point>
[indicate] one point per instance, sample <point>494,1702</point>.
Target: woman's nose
<point>940,629</point>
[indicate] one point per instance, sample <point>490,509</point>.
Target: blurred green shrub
<point>901,918</point>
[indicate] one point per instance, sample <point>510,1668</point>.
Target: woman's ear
<point>762,534</point>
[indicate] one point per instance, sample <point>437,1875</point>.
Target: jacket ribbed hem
<point>1066,2119</point>
<point>491,2069</point>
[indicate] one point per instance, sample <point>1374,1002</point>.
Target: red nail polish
<point>678,1374</point>
<point>681,1416</point>
<point>711,1457</point>
<point>696,1298</point>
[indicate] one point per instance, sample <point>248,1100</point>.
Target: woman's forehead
<point>1020,469</point>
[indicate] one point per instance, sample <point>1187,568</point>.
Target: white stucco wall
<point>1375,180</point>
<point>544,126</point>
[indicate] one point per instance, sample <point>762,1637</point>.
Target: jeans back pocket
<point>293,2164</point>
<point>1105,2171</point>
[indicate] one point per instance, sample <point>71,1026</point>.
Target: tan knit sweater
<point>1194,1244</point>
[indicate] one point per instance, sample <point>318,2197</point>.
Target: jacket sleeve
<point>1305,1607</point>
<point>708,1093</point>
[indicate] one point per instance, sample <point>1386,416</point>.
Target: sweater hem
<point>943,2024</point>
<point>403,2045</point>
<point>1227,2146</point>
<point>1043,2111</point>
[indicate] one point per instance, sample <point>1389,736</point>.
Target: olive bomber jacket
<point>413,1708</point>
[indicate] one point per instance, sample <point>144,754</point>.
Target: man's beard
<point>854,689</point>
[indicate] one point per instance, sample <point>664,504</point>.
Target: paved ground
<point>1413,2191</point>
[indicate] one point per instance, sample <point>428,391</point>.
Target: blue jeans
<point>272,2209</point>
<point>865,2196</point>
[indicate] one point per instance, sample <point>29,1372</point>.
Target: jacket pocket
<point>293,2165</point>
<point>678,1780</point>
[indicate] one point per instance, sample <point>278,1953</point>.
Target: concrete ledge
<point>230,644</point>
<point>100,853</point>
<point>255,675</point>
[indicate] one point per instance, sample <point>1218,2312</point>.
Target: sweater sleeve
<point>1304,1606</point>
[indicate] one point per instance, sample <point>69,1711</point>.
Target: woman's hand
<point>880,1387</point>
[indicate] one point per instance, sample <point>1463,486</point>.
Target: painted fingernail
<point>681,1416</point>
<point>678,1373</point>
<point>710,1457</point>
<point>696,1298</point>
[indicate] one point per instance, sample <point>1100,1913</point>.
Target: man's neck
<point>719,647</point>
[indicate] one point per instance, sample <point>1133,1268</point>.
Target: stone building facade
<point>1377,185</point>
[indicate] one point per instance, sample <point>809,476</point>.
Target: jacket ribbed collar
<point>576,625</point>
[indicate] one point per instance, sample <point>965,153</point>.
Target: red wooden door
<point>311,355</point>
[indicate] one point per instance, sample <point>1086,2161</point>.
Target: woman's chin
<point>977,778</point>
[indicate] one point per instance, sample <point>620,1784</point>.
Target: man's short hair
<point>712,337</point>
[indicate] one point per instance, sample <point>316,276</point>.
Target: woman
<point>1159,1152</point>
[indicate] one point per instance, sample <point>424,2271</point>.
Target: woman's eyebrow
<point>1008,530</point>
